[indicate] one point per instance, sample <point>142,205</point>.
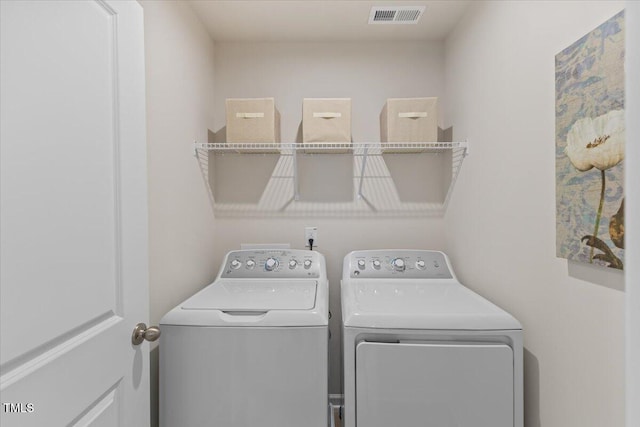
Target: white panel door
<point>434,385</point>
<point>73,214</point>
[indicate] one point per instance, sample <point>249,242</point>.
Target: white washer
<point>420,349</point>
<point>251,349</point>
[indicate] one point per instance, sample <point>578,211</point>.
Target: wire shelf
<point>358,148</point>
<point>377,191</point>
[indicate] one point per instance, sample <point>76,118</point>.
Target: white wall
<point>633,212</point>
<point>501,220</point>
<point>179,72</point>
<point>369,73</point>
<point>500,95</point>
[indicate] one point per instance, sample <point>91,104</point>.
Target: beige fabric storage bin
<point>326,120</point>
<point>409,120</point>
<point>253,120</point>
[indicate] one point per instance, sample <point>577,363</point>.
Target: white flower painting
<point>590,145</point>
<point>597,143</point>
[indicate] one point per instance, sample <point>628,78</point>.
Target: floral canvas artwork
<point>590,140</point>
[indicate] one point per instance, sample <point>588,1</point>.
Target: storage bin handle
<point>249,115</point>
<point>326,115</point>
<point>412,115</point>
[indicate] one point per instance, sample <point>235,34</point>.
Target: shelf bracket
<point>296,187</point>
<point>364,166</point>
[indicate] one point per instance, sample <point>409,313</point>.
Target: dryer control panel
<point>272,263</point>
<point>410,264</point>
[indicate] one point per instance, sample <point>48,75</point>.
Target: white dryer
<point>420,349</point>
<point>251,349</point>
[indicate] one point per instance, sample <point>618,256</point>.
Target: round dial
<point>420,264</point>
<point>376,264</point>
<point>361,264</point>
<point>293,264</point>
<point>235,264</point>
<point>271,264</point>
<point>398,264</point>
<point>307,264</point>
<point>250,264</point>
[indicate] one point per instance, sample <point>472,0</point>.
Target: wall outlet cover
<point>311,233</point>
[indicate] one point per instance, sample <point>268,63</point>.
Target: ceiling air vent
<point>396,14</point>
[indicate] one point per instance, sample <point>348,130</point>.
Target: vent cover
<point>396,14</point>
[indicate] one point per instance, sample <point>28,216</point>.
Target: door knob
<point>141,333</point>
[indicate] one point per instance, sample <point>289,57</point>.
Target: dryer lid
<point>420,304</point>
<point>255,295</point>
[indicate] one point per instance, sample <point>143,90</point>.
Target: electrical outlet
<point>310,233</point>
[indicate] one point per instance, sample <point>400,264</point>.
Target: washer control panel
<point>276,263</point>
<point>410,264</point>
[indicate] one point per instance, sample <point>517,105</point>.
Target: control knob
<point>420,264</point>
<point>250,264</point>
<point>235,264</point>
<point>398,264</point>
<point>307,264</point>
<point>271,264</point>
<point>376,264</point>
<point>361,264</point>
<point>293,264</point>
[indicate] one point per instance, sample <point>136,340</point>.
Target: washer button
<point>307,264</point>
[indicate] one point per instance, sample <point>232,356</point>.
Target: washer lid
<point>255,295</point>
<point>420,304</point>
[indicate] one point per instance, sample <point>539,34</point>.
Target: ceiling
<point>321,21</point>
